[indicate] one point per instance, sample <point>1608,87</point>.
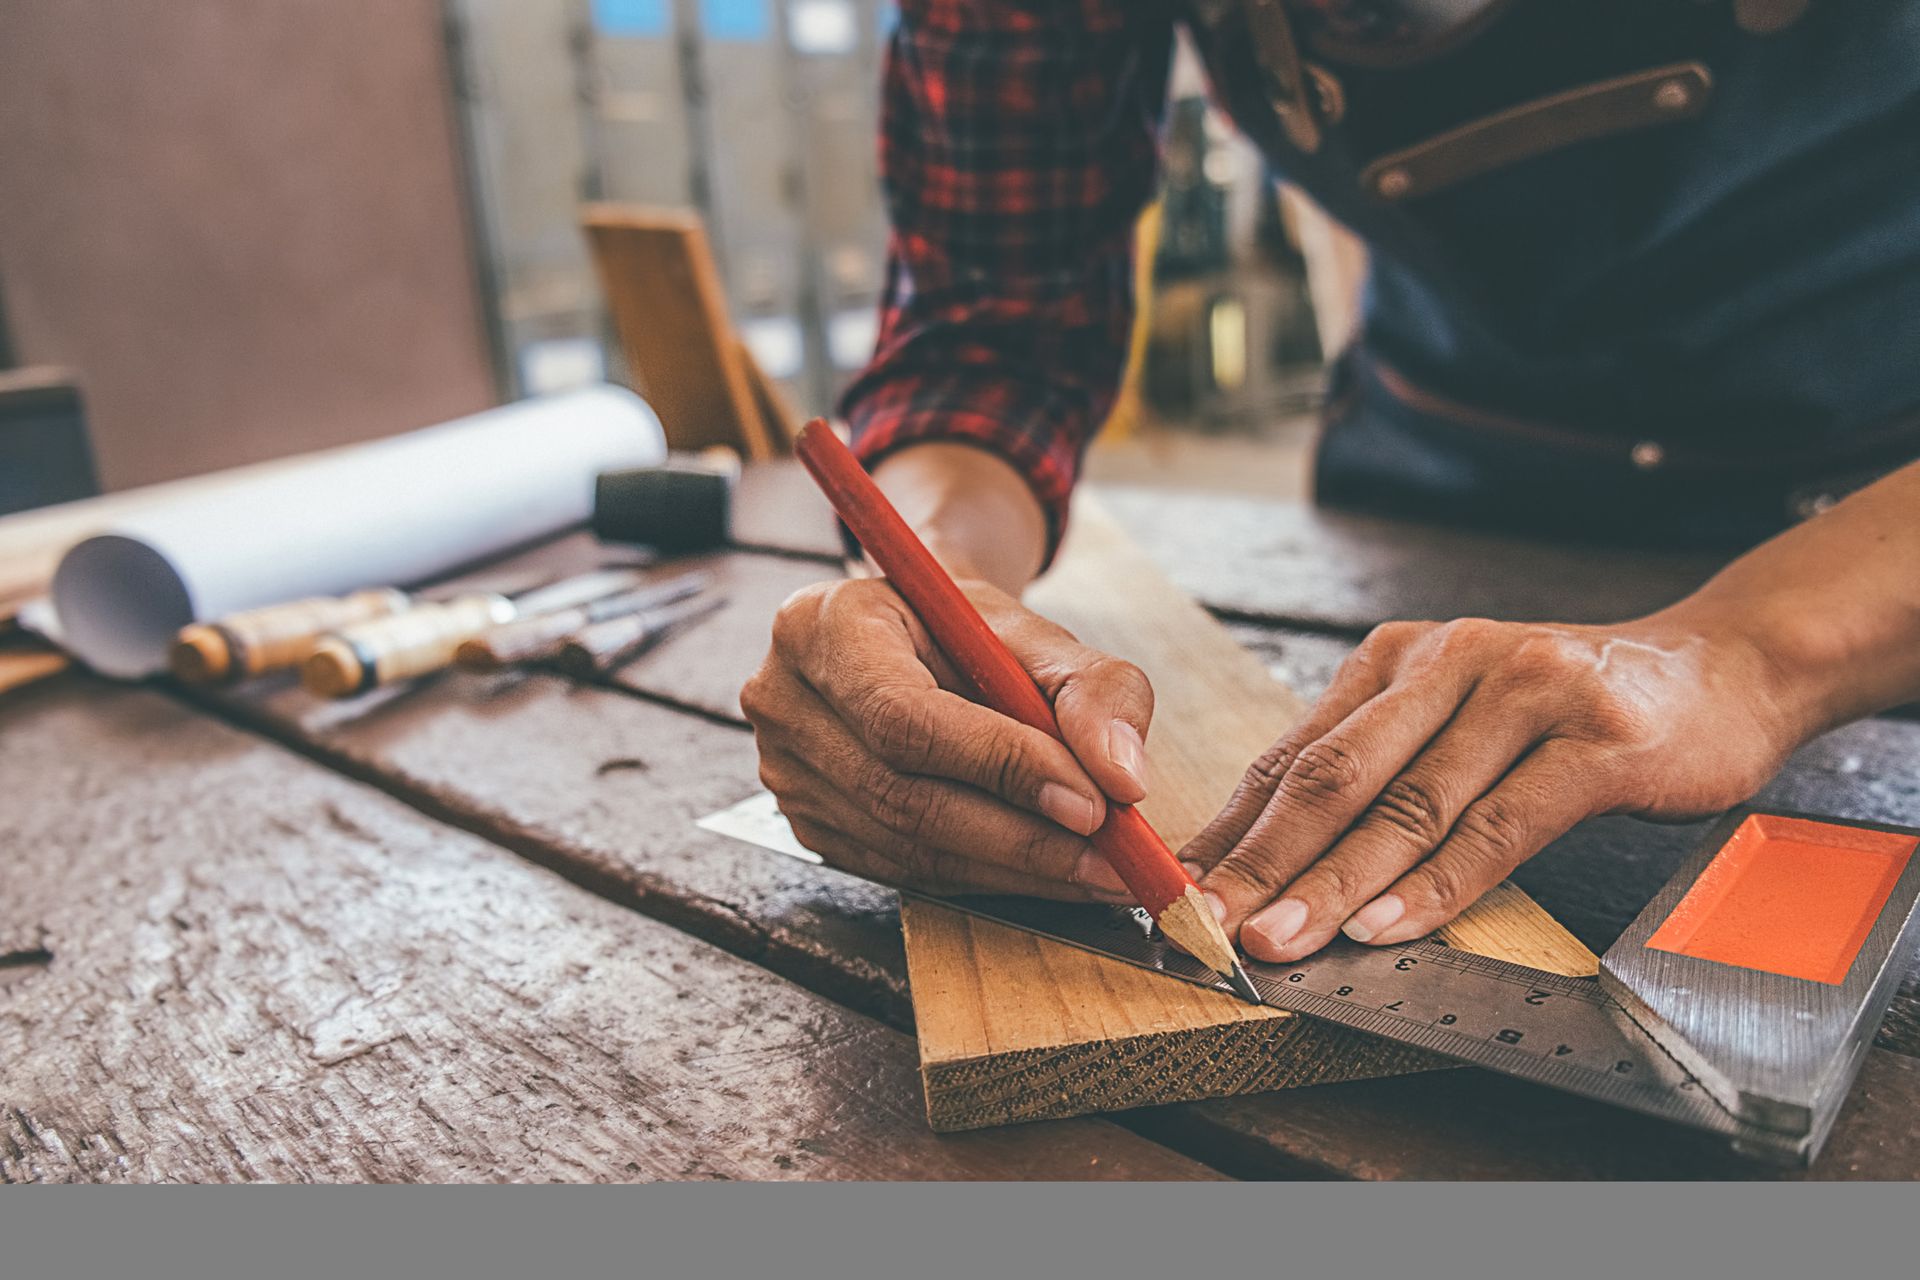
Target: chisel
<point>424,638</point>
<point>540,637</point>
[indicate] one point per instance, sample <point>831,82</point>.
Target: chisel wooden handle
<point>414,643</point>
<point>257,641</point>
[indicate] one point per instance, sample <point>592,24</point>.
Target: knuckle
<point>756,699</point>
<point>904,804</point>
<point>1463,635</point>
<point>1120,675</point>
<point>1410,807</point>
<point>1247,872</point>
<point>1492,829</point>
<point>1331,882</point>
<point>1325,772</point>
<point>1264,774</point>
<point>1008,767</point>
<point>1391,637</point>
<point>896,728</point>
<point>798,616</point>
<point>1446,885</point>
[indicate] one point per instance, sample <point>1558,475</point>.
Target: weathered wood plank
<point>605,787</point>
<point>256,970</point>
<point>1292,563</point>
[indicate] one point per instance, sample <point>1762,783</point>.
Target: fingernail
<point>1127,752</point>
<point>1096,872</point>
<point>1193,869</point>
<point>1219,907</point>
<point>1279,922</point>
<point>1067,807</point>
<point>1375,917</point>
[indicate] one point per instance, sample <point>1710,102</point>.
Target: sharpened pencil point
<point>1243,985</point>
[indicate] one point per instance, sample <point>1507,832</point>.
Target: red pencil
<point>1127,841</point>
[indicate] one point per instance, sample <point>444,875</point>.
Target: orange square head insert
<point>1789,896</point>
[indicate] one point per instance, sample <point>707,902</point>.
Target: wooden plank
<point>1292,563</point>
<point>247,968</point>
<point>1014,1027</point>
<point>671,315</point>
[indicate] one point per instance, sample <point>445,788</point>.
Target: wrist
<point>1777,656</point>
<point>975,513</point>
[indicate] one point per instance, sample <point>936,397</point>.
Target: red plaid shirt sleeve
<point>1018,146</point>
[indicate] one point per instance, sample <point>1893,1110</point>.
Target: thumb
<point>1104,707</point>
<point>1103,704</point>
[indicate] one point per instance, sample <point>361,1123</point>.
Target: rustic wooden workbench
<point>468,930</point>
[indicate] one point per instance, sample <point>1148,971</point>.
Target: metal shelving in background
<point>759,114</point>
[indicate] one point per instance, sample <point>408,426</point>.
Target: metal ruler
<point>1566,1033</point>
<point>1761,1059</point>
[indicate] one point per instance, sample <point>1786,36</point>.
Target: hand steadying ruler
<point>1762,1058</point>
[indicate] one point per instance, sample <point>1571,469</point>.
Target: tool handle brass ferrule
<point>415,643</point>
<point>256,641</point>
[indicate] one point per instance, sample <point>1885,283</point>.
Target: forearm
<point>1833,604</point>
<point>977,514</point>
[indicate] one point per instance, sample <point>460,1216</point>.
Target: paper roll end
<point>120,602</point>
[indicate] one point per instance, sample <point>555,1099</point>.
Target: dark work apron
<point>1641,270</point>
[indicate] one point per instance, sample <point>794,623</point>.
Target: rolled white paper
<point>396,512</point>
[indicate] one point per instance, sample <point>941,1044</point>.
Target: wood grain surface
<point>240,967</point>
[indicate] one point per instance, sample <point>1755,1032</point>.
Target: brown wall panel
<point>240,223</point>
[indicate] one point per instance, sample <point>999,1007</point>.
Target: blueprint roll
<point>396,512</point>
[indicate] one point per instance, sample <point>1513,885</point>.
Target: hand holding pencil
<point>864,736</point>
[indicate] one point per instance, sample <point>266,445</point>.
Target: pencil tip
<point>1243,985</point>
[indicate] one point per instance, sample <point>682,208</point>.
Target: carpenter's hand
<point>1444,755</point>
<point>886,772</point>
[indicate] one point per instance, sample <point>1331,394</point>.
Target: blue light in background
<point>736,19</point>
<point>632,17</point>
